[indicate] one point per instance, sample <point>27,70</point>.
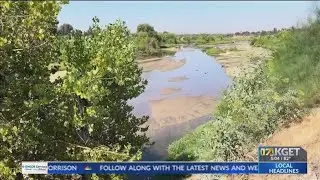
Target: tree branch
<point>85,147</point>
<point>4,118</point>
<point>30,48</point>
<point>29,111</point>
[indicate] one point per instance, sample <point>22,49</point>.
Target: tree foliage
<point>248,112</point>
<point>103,75</point>
<point>147,28</point>
<point>168,38</point>
<point>26,43</point>
<point>276,93</point>
<point>148,40</point>
<point>82,116</point>
<point>65,29</point>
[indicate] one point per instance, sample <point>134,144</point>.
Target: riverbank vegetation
<point>214,51</point>
<point>277,92</point>
<point>153,44</point>
<point>84,116</point>
<point>81,117</point>
<point>271,41</point>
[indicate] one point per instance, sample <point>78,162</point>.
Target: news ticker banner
<point>272,160</point>
<point>163,168</point>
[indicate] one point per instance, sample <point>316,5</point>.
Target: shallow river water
<point>204,77</point>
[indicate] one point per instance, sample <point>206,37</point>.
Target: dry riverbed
<point>241,57</point>
<point>177,111</point>
<point>304,132</point>
<point>160,64</point>
<point>166,91</point>
<point>180,109</point>
<point>178,79</point>
<point>234,62</point>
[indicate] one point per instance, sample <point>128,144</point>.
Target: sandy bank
<point>177,79</point>
<point>166,91</point>
<point>241,57</point>
<point>161,64</point>
<point>171,49</point>
<point>170,111</point>
<point>305,134</point>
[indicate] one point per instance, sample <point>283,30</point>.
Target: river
<point>197,84</point>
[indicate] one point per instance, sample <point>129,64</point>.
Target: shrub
<point>214,51</point>
<point>275,93</point>
<point>248,112</point>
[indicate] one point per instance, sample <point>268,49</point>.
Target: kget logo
<point>273,153</point>
<point>266,151</point>
<point>279,151</point>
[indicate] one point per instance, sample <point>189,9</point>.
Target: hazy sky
<point>189,17</point>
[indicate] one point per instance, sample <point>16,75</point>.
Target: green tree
<point>275,30</point>
<point>102,76</point>
<point>88,32</point>
<point>77,31</point>
<point>200,39</point>
<point>142,39</point>
<point>187,39</point>
<point>26,94</point>
<point>83,116</point>
<point>168,38</point>
<point>148,40</point>
<point>65,29</point>
<point>263,33</point>
<point>146,28</point>
<point>153,46</point>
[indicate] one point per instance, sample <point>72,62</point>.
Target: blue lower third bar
<point>283,168</point>
<point>153,168</point>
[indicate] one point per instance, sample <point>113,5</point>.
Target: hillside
<point>305,134</point>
